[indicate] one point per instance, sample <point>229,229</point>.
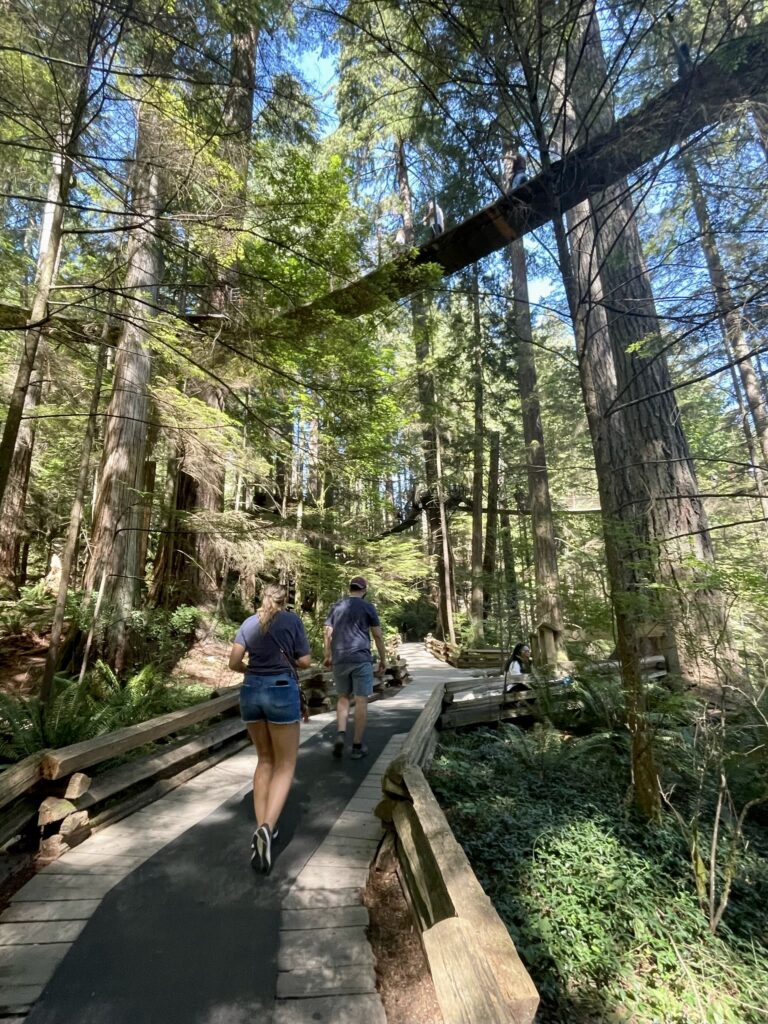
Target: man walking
<point>348,630</point>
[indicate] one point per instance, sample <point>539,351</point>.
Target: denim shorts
<point>353,677</point>
<point>270,698</point>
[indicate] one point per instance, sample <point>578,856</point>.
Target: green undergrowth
<point>83,710</point>
<point>602,907</point>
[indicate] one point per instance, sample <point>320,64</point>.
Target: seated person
<point>519,664</point>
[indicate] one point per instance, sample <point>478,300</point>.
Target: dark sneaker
<point>338,747</point>
<point>275,832</point>
<point>359,751</point>
<point>262,839</point>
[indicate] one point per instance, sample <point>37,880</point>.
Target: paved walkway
<point>159,919</point>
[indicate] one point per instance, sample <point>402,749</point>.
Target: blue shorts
<point>353,677</point>
<point>270,698</point>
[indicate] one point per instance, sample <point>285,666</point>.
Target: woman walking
<point>270,706</point>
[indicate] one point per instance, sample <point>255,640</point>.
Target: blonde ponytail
<point>273,599</point>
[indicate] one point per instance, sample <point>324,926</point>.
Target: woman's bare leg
<point>262,777</point>
<point>285,745</point>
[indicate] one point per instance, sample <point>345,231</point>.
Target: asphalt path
<point>191,935</point>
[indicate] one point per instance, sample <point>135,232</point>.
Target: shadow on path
<point>190,936</point>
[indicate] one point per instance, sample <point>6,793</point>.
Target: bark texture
<point>476,602</point>
<point>118,510</point>
<point>13,530</point>
<point>491,521</point>
<point>549,610</point>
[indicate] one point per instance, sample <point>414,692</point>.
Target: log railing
<point>73,804</point>
<point>465,657</point>
<point>477,973</point>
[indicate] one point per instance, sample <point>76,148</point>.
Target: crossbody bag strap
<point>285,654</point>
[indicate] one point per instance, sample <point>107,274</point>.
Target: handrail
<point>57,763</point>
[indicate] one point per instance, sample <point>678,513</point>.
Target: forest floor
<point>205,664</point>
<point>402,973</point>
<point>22,660</point>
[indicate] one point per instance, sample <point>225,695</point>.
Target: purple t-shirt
<point>264,654</point>
<point>351,620</point>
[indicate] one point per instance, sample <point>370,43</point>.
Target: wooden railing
<point>464,657</point>
<point>477,973</point>
<point>73,804</point>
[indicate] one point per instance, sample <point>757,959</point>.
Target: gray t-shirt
<point>351,620</point>
<point>264,655</point>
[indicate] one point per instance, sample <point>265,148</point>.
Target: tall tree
<point>117,515</point>
<point>76,93</point>
<point>478,450</point>
<point>437,519</point>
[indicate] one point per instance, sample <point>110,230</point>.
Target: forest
<point>465,297</point>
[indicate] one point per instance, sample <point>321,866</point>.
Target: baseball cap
<point>358,583</point>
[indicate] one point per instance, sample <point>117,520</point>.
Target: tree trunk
<point>549,610</point>
<point>73,121</point>
<point>477,602</point>
<point>733,73</point>
<point>491,521</point>
<point>197,550</point>
<point>652,487</point>
<point>69,553</point>
<point>117,515</point>
<point>599,387</point>
<point>12,527</point>
<point>727,310</point>
<point>15,499</point>
<point>425,383</point>
<point>511,598</point>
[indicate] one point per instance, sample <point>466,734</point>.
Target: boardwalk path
<point>160,919</point>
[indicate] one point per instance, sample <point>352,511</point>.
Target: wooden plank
<point>58,910</point>
<point>325,917</point>
<point>127,775</point>
<point>471,716</point>
<point>327,980</point>
<point>317,899</point>
<point>470,901</point>
<point>465,984</point>
<point>316,947</point>
<point>20,777</point>
<point>33,933</point>
<point>456,686</point>
<point>347,1009</point>
<point>65,761</point>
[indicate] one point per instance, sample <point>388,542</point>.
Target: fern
<point>82,710</point>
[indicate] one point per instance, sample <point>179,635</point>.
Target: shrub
<point>602,907</point>
<point>160,637</point>
<point>82,710</point>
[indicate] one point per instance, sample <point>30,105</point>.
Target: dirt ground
<point>206,663</point>
<point>22,660</point>
<point>402,974</point>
